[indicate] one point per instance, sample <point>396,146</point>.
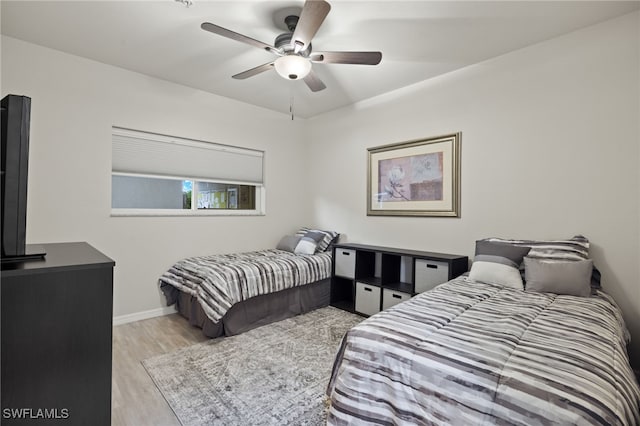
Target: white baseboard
<point>137,316</point>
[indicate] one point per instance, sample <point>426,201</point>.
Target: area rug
<point>276,374</point>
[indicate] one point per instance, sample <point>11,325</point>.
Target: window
<point>161,175</point>
<point>213,195</point>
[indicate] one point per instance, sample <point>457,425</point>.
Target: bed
<point>228,294</point>
<point>484,353</point>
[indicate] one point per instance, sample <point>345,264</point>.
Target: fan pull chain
<point>291,105</point>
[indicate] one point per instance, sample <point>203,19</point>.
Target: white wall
<point>550,149</point>
<point>74,104</point>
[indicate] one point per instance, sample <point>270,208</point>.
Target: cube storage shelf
<point>367,279</point>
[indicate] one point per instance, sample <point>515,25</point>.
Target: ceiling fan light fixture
<point>292,67</point>
<point>293,48</point>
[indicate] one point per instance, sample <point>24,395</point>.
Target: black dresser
<point>56,324</point>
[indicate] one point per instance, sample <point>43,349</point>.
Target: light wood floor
<point>135,399</point>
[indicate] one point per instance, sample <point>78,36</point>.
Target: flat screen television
<point>15,122</point>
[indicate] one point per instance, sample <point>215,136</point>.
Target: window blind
<point>152,154</point>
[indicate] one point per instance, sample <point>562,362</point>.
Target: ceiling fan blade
<point>314,83</point>
<point>208,26</point>
<point>253,71</point>
<point>311,17</point>
<point>358,58</point>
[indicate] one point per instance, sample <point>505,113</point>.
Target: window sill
<point>180,213</point>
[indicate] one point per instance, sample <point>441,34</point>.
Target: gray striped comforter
<point>219,281</point>
<point>468,353</point>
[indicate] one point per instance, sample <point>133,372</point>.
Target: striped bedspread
<point>468,353</point>
<point>220,281</point>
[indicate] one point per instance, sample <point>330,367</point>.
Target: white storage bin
<point>345,263</point>
<point>393,297</point>
<point>367,299</point>
<point>430,273</point>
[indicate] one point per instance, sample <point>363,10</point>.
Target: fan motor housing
<point>283,41</point>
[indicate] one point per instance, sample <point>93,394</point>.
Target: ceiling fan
<point>294,50</point>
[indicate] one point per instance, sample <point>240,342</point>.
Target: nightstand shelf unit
<point>367,279</point>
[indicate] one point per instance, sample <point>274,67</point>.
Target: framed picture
<point>415,178</point>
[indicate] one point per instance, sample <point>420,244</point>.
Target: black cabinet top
<point>59,257</point>
<point>402,252</point>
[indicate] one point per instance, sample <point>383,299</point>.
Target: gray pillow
<point>559,277</point>
<point>498,263</point>
<point>288,243</point>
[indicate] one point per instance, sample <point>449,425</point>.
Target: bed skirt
<point>257,311</point>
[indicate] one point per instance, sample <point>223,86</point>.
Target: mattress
<point>476,353</point>
<point>218,282</point>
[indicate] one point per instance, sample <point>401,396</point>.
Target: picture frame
<point>415,178</point>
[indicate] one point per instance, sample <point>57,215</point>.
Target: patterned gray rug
<point>273,375</point>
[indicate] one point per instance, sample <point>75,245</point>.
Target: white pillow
<point>328,238</point>
<point>496,273</point>
<point>498,263</point>
<point>309,243</point>
<point>305,246</point>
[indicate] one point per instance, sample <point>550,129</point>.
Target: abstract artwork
<point>416,178</point>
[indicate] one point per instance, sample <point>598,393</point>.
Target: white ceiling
<point>418,39</point>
